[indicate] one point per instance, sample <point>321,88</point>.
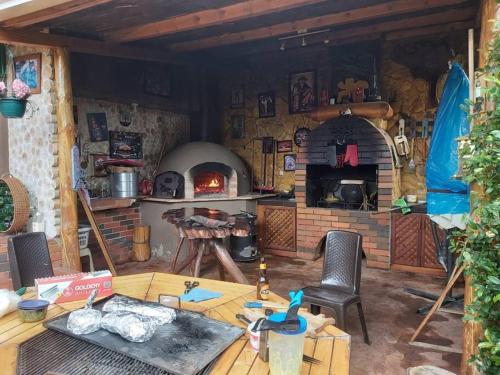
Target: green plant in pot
<point>14,105</point>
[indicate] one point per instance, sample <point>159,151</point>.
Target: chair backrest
<point>342,264</point>
<point>29,259</point>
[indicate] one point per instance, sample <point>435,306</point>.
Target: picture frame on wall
<point>157,81</point>
<point>302,91</point>
<point>284,146</point>
<point>98,126</point>
<point>125,145</point>
<point>238,126</point>
<point>237,97</point>
<point>28,68</point>
<point>289,162</point>
<point>267,106</point>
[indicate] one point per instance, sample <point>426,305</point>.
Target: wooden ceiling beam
<point>44,10</point>
<point>205,18</point>
<point>89,46</point>
<point>431,30</point>
<point>391,8</point>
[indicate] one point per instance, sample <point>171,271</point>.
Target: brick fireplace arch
<point>314,222</point>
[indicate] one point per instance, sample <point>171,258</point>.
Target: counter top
<point>278,201</point>
<point>208,199</point>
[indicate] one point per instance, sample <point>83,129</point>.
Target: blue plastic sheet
<point>451,122</point>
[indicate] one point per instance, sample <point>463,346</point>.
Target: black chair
<point>341,278</point>
<point>29,259</point>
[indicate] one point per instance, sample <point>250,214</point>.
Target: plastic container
<point>32,310</point>
<point>254,338</point>
<point>83,236</point>
<point>286,348</point>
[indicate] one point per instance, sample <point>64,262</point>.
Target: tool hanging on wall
<point>413,133</point>
<point>400,141</point>
<point>268,148</point>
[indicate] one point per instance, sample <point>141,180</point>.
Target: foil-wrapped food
<point>163,314</point>
<point>84,321</point>
<point>129,325</point>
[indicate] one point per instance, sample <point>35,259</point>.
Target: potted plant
<point>14,106</point>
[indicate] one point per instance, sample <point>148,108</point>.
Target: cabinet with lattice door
<point>276,226</point>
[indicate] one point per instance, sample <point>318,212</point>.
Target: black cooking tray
<point>183,347</point>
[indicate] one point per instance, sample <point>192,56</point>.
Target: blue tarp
<point>442,163</point>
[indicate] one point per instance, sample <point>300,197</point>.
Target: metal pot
<point>124,184</point>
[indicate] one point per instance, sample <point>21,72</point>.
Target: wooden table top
<point>239,358</point>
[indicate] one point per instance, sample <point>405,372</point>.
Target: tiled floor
<point>389,310</point>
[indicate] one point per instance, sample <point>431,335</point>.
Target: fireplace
<point>223,175</point>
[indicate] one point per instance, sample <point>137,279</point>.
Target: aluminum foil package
<point>84,321</point>
<point>163,314</point>
<point>131,326</point>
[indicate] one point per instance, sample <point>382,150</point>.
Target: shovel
<point>400,141</point>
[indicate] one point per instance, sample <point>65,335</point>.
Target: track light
<point>282,47</point>
<point>327,40</point>
<point>303,44</point>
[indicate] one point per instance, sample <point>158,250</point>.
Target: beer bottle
<point>263,282</point>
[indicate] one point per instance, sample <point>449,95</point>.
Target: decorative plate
<point>301,134</point>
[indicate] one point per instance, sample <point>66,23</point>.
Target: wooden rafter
<point>430,30</point>
<point>205,18</point>
<point>392,8</point>
<point>89,46</point>
<point>44,10</point>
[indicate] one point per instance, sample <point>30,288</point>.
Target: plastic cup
<point>286,348</point>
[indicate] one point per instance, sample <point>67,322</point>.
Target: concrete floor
<point>389,311</point>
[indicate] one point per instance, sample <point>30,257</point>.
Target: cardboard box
<point>75,287</point>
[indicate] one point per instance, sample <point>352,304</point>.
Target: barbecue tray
<point>183,347</point>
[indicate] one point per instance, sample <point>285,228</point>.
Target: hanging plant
<point>479,245</point>
<point>14,106</point>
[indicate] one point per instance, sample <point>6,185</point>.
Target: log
<point>66,139</point>
<point>141,251</point>
<point>381,110</point>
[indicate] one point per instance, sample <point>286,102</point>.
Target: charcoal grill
<point>63,354</point>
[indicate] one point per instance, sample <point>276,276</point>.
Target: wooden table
<point>206,229</point>
<point>239,358</point>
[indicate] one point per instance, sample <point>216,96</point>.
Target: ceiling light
<point>327,40</point>
<point>303,44</point>
<point>12,3</point>
<point>282,47</point>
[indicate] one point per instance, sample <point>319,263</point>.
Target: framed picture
<point>157,81</point>
<point>268,145</point>
<point>27,68</point>
<point>238,126</point>
<point>98,127</point>
<point>289,162</point>
<point>125,145</point>
<point>267,106</point>
<point>97,167</point>
<point>284,146</point>
<point>302,92</point>
<point>237,97</point>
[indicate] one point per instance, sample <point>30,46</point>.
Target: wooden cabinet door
<point>406,239</point>
<point>276,227</point>
<point>428,250</point>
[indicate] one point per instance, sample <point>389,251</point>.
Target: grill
<point>65,355</point>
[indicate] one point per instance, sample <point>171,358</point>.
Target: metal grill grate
<point>59,353</point>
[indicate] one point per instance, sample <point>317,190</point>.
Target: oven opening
<point>207,183</point>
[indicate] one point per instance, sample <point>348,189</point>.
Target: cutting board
<point>182,347</point>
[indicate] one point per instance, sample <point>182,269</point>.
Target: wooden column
<point>472,331</point>
<point>66,139</point>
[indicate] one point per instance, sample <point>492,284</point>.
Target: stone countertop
<point>277,201</point>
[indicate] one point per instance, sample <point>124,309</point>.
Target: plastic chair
<point>29,259</point>
<point>85,252</point>
<point>341,278</point>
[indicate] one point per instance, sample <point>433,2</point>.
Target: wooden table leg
<point>176,256</point>
<point>227,262</point>
<point>188,260</point>
<point>200,250</point>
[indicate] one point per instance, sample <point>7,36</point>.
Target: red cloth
<point>351,155</point>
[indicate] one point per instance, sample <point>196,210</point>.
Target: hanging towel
<point>351,155</point>
<point>331,154</point>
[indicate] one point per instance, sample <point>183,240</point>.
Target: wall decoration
<point>237,97</point>
<point>125,145</point>
<point>268,145</point>
<point>284,146</point>
<point>289,162</point>
<point>98,126</point>
<point>301,135</point>
<point>28,69</point>
<point>157,81</point>
<point>97,168</point>
<point>238,126</point>
<point>302,92</point>
<point>267,107</point>
<point>125,118</point>
<point>351,91</point>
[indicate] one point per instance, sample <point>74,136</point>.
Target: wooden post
<point>66,139</point>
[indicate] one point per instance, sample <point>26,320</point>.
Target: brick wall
<point>5,279</point>
<point>313,223</point>
<point>117,226</point>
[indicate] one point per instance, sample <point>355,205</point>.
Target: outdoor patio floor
<point>389,311</point>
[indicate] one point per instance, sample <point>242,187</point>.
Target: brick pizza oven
<point>320,204</point>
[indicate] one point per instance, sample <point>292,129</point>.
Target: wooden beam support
<point>209,17</point>
<point>336,19</point>
<point>50,12</point>
<point>431,30</point>
<point>66,134</point>
<point>29,7</point>
<point>94,47</point>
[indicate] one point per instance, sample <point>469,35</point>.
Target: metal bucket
<point>125,184</point>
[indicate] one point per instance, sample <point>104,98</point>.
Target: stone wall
<point>155,126</point>
<point>33,145</point>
